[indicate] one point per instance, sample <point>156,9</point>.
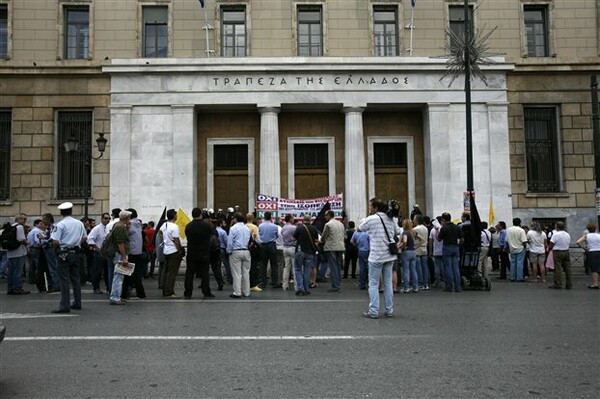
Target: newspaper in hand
<point>127,269</point>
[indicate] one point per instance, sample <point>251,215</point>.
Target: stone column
<point>270,176</point>
<point>500,179</point>
<point>355,179</point>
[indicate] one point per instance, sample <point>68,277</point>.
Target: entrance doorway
<point>311,167</point>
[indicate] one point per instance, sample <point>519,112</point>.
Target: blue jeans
<point>451,267</point>
<point>438,264</point>
<point>423,270</point>
<point>110,267</point>
<point>375,270</point>
<point>334,261</point>
<point>516,265</point>
<point>363,267</point>
<point>14,274</point>
<point>117,280</point>
<point>303,264</point>
<point>3,263</point>
<point>52,262</point>
<point>409,269</point>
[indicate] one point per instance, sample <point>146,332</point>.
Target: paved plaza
<point>519,340</point>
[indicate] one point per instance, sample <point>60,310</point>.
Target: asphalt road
<point>516,341</point>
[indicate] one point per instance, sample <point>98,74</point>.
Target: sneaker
<point>98,291</point>
<point>369,315</point>
<point>256,288</point>
<point>119,302</point>
<point>593,287</point>
<point>404,291</point>
<point>332,290</point>
<point>426,288</point>
<point>415,291</point>
<point>389,315</point>
<point>312,285</point>
<point>172,296</point>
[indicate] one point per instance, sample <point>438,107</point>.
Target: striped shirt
<point>378,241</point>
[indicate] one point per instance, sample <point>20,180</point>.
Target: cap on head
<point>124,214</point>
<point>65,205</point>
<point>416,206</point>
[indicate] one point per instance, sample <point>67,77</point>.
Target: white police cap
<point>65,205</point>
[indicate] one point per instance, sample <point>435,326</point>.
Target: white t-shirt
<point>421,235</point>
<point>536,241</point>
<point>592,241</point>
<point>561,240</point>
<point>515,237</point>
<point>169,231</point>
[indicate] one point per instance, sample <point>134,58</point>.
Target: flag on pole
<point>320,221</point>
<point>161,221</point>
<point>181,222</point>
<point>413,3</point>
<point>475,221</point>
<point>491,215</point>
<point>202,3</point>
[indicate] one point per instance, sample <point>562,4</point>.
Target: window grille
<point>310,156</point>
<point>231,157</point>
<point>457,20</point>
<point>3,31</point>
<point>541,149</point>
<point>74,167</point>
<point>5,154</point>
<point>389,155</point>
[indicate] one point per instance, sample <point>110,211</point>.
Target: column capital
<point>353,108</point>
<point>272,108</point>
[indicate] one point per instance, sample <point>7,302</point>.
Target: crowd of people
<point>386,255</point>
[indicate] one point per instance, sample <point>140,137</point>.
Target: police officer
<point>67,237</point>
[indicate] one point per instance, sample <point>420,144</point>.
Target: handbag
<point>392,245</point>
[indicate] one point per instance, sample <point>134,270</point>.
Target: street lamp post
<point>72,145</point>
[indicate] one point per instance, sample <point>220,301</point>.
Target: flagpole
<point>206,28</point>
<point>412,28</point>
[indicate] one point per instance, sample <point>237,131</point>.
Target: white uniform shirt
<point>69,233</point>
<point>97,235</point>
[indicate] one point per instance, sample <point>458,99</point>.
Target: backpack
<point>108,249</point>
<point>8,239</point>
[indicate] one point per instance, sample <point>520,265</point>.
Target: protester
<point>537,251</point>
<point>449,233</point>
<point>333,246</point>
<point>360,240</point>
<point>173,251</point>
<point>95,239</point>
<point>351,253</point>
<point>267,236</point>
<point>239,256</point>
<point>382,231</point>
<point>289,250</point>
<point>16,258</point>
<point>305,236</point>
<point>592,249</point>
<point>198,233</point>
<point>120,239</point>
<point>559,245</point>
<point>516,240</point>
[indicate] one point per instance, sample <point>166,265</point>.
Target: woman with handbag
<point>409,259</point>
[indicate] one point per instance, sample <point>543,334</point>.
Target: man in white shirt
<point>16,259</point>
<point>173,253</point>
<point>95,240</point>
<point>559,245</point>
<point>516,240</point>
<point>486,239</point>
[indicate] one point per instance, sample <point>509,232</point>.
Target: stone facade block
<point>21,167</point>
<point>566,122</point>
<point>570,109</point>
<point>41,193</point>
<point>46,154</point>
<point>21,193</point>
<point>43,140</point>
<point>526,202</point>
<point>42,167</point>
<point>547,202</point>
<point>582,122</point>
<point>31,207</point>
<point>43,114</point>
<point>47,180</point>
<point>22,114</point>
<point>575,186</point>
<point>31,154</point>
<point>32,127</point>
<point>584,147</point>
<point>571,134</point>
<point>47,127</point>
<point>586,200</point>
<point>584,174</point>
<point>569,202</point>
<point>30,180</point>
<point>21,140</point>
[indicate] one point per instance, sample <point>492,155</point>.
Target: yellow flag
<point>491,215</point>
<point>181,222</point>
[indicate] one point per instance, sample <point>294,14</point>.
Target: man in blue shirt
<point>267,236</point>
<point>239,256</point>
<point>223,248</point>
<point>504,260</point>
<point>67,237</point>
<point>360,240</point>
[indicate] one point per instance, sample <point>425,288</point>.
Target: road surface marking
<point>33,315</point>
<point>216,338</point>
<point>237,301</point>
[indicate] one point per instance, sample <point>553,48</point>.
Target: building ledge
<point>547,195</point>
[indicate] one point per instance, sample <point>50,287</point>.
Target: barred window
<point>536,30</point>
<point>388,155</point>
<point>233,31</point>
<point>541,150</point>
<point>310,31</point>
<point>231,157</point>
<point>74,167</point>
<point>551,222</point>
<point>156,33</point>
<point>77,35</point>
<point>5,139</point>
<point>385,31</point>
<point>310,156</point>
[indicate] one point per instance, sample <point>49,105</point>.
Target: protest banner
<point>279,207</point>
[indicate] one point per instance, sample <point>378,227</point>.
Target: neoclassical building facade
<point>299,99</point>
